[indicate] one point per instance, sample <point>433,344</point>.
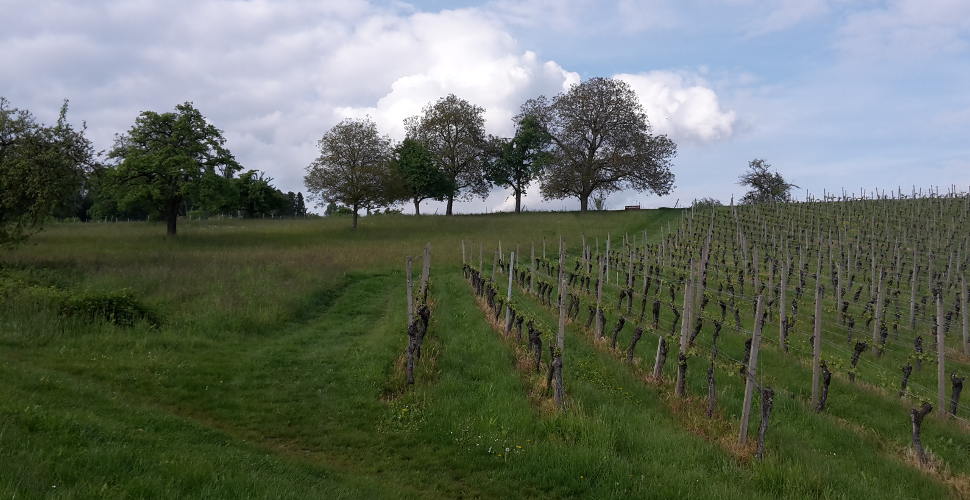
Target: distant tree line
<point>43,169</point>
<point>584,143</point>
<point>587,142</point>
<point>165,166</point>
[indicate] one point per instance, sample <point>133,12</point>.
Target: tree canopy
<point>353,167</point>
<point>166,157</point>
<point>453,130</point>
<point>766,186</point>
<point>587,142</point>
<point>40,168</point>
<point>600,142</point>
<point>420,178</point>
<point>517,161</point>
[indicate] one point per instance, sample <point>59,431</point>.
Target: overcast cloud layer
<point>835,93</point>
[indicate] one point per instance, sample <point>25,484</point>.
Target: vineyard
<point>812,349</point>
<point>842,308</point>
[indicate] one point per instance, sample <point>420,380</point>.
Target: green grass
<point>274,372</point>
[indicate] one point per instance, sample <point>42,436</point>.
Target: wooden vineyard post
<point>681,387</point>
<point>559,393</point>
<point>583,240</point>
<point>425,273</point>
<point>782,307</point>
<point>462,252</point>
<point>532,270</point>
<point>817,346</point>
<point>940,353</point>
<point>508,295</point>
<point>877,320</point>
<point>837,286</point>
<point>912,293</point>
<point>599,299</point>
<point>481,257</point>
<point>751,372</point>
<point>410,293</point>
<point>494,265</point>
<point>965,316</point>
<point>606,274</point>
<point>629,272</point>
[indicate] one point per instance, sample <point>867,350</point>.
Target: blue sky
<point>833,93</point>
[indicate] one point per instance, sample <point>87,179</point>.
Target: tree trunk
<point>767,401</point>
<point>633,344</point>
<point>916,417</point>
<point>584,203</point>
<point>518,201</point>
<point>354,225</point>
<point>907,371</point>
<point>417,206</point>
<point>451,201</point>
<point>171,217</point>
<point>955,395</point>
<point>826,380</point>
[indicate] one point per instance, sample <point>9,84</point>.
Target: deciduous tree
<point>420,178</point>
<point>40,167</point>
<point>165,157</point>
<point>353,168</point>
<point>453,130</point>
<point>766,186</point>
<point>601,142</point>
<point>516,162</point>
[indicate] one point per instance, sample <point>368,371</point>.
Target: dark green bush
<point>120,308</point>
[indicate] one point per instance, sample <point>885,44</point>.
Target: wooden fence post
<point>751,372</point>
<point>877,320</point>
<point>606,274</point>
<point>817,346</point>
<point>599,298</point>
<point>685,323</point>
<point>425,272</point>
<point>965,315</point>
<point>783,307</point>
<point>940,352</point>
<point>508,295</point>
<point>494,265</point>
<point>559,393</point>
<point>410,285</point>
<point>532,267</point>
<point>912,293</point>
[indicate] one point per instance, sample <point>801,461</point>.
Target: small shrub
<point>120,308</point>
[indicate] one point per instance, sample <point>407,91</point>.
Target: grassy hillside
<point>269,366</point>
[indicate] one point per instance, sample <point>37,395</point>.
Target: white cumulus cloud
<point>681,106</point>
<point>276,75</point>
<point>457,52</point>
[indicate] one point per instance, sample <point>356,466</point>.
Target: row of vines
<point>872,292</point>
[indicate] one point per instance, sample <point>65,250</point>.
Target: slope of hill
<point>263,359</point>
